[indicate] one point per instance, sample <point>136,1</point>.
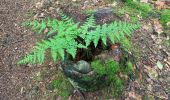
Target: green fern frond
<point>67,33</point>
<point>96,36</point>
<point>36,26</point>
<point>104,31</point>
<point>89,23</point>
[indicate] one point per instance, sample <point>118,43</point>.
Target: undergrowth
<point>65,37</point>
<point>134,8</point>
<point>61,86</point>
<point>139,7</point>
<point>68,36</point>
<point>165,18</point>
<point>113,71</point>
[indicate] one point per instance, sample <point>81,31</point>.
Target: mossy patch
<point>112,70</point>
<point>165,18</point>
<point>61,86</point>
<point>134,8</point>
<point>138,7</point>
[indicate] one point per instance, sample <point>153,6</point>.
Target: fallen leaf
<point>158,28</point>
<point>46,30</point>
<point>135,96</point>
<point>159,65</point>
<point>161,4</point>
<point>152,73</point>
<point>127,17</point>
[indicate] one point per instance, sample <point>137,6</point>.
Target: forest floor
<point>30,82</point>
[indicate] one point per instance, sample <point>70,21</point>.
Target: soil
<point>14,41</point>
<point>24,82</point>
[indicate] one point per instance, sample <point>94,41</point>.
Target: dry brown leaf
<point>127,17</point>
<point>46,30</point>
<point>135,96</point>
<point>158,28</point>
<point>161,4</point>
<point>152,73</point>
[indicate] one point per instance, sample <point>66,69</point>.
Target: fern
<point>67,33</point>
<point>38,27</point>
<point>116,32</point>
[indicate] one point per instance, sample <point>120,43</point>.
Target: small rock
<point>101,12</point>
<point>83,66</point>
<point>105,15</point>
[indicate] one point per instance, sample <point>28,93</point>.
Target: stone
<point>83,67</point>
<point>105,15</point>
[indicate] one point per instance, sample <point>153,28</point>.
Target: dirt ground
<point>14,41</point>
<point>18,82</point>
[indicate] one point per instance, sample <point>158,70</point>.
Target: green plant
<point>142,8</point>
<point>61,86</point>
<point>69,36</point>
<point>98,67</point>
<point>134,8</point>
<point>165,17</point>
<point>111,69</point>
<point>62,90</point>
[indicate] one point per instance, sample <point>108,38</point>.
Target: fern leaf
<point>40,55</point>
<point>61,53</point>
<point>51,32</point>
<point>35,24</point>
<point>54,54</point>
<point>43,26</point>
<point>54,26</point>
<point>68,33</point>
<point>103,33</point>
<point>34,57</point>
<point>89,23</point>
<point>88,41</point>
<point>81,46</point>
<point>112,38</point>
<point>72,51</point>
<point>96,36</point>
<point>49,22</point>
